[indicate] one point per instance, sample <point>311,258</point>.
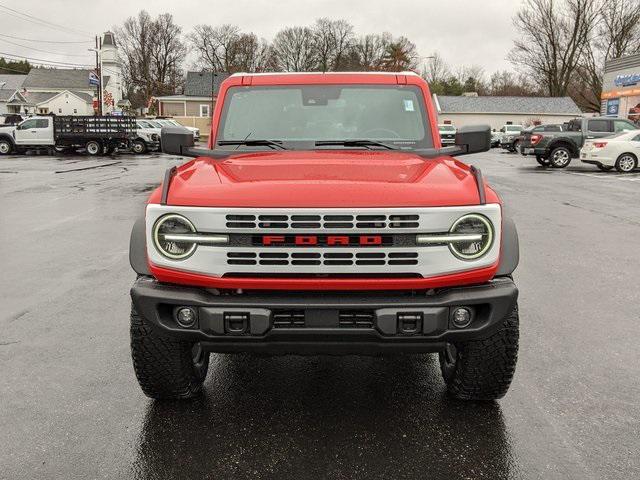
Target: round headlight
<point>472,224</point>
<point>172,224</point>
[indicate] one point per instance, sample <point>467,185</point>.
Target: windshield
<point>446,128</point>
<point>301,115</point>
<point>512,129</point>
<point>154,124</point>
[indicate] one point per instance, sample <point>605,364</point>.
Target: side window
<point>636,138</point>
<point>539,129</point>
<point>623,126</point>
<point>599,126</point>
<point>27,124</point>
<point>552,128</point>
<point>42,123</point>
<point>204,110</point>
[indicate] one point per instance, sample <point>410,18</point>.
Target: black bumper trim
<point>490,303</point>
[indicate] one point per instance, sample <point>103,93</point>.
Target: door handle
<point>590,136</point>
<point>34,131</point>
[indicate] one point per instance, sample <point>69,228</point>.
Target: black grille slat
<point>274,255</point>
<point>333,259</point>
<point>232,261</point>
<point>288,319</point>
<point>356,319</point>
<point>328,221</point>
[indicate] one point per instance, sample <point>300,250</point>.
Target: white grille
<point>422,260</point>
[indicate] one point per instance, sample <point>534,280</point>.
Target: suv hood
<point>324,179</point>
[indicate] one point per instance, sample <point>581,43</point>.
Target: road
<point>70,406</point>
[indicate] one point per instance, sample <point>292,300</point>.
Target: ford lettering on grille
<point>323,240</point>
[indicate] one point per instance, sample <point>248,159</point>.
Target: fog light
<point>461,317</point>
<point>186,317</point>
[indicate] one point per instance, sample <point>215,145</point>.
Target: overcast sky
<point>468,32</point>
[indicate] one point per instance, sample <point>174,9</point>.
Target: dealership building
<point>498,111</point>
<point>621,88</point>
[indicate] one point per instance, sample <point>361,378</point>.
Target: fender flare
<point>8,137</point>
<point>138,248</point>
<point>510,248</point>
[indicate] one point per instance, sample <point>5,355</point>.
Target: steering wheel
<point>369,132</point>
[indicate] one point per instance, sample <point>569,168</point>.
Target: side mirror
<point>176,140</point>
<point>473,139</point>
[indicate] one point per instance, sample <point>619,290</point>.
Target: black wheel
<point>166,368</point>
<point>560,157</point>
<point>93,148</point>
<point>108,150</point>
<point>483,369</point>
<point>626,163</point>
<point>543,161</point>
<point>516,146</point>
<point>139,147</point>
<point>604,168</point>
<point>5,147</point>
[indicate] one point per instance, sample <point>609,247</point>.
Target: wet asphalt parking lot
<point>70,406</point>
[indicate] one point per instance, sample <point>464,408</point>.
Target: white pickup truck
<point>97,135</point>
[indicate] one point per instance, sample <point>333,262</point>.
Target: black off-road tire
<point>166,368</point>
<point>483,369</point>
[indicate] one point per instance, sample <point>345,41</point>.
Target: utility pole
<point>213,81</point>
<point>99,72</point>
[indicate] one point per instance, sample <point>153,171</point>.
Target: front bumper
<point>325,323</point>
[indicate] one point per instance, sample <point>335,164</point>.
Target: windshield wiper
<point>356,143</point>
<point>275,144</point>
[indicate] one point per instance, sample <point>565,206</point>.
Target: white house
<point>10,99</point>
<point>65,91</point>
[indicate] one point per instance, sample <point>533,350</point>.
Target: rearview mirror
<point>176,140</point>
<point>473,139</point>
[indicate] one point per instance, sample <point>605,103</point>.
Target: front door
<point>35,131</point>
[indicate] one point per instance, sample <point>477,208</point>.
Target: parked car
<point>97,135</point>
<point>447,134</point>
<point>170,122</point>
<point>560,147</point>
<point>496,137</point>
<point>621,151</point>
<point>529,136</point>
<point>147,139</point>
<point>321,236</point>
<point>509,139</point>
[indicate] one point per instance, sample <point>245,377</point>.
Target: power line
<point>50,62</point>
<point>43,51</point>
<point>84,42</point>
<point>30,18</point>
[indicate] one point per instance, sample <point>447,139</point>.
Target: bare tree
<point>294,49</point>
<point>152,52</point>
<point>252,55</point>
<point>554,37</point>
<point>505,83</point>
<point>617,34</point>
<point>216,46</point>
<point>369,51</point>
<point>436,69</point>
<point>332,40</point>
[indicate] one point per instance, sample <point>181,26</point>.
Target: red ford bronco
<point>324,217</point>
